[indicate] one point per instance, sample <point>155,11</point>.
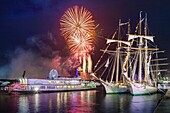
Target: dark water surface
<point>93,101</point>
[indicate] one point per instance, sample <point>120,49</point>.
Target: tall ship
<point>142,72</point>
<point>113,81</point>
<point>53,83</point>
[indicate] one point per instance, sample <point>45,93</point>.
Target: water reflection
<point>116,103</point>
<point>8,103</point>
<point>37,101</point>
<point>82,102</point>
<point>126,103</point>
<point>23,104</point>
<point>70,102</point>
<point>93,101</point>
<point>145,103</point>
<point>61,101</point>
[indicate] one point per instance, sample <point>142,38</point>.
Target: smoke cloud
<point>39,58</point>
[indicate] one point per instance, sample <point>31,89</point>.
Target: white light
<point>36,89</point>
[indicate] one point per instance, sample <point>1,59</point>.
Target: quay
<point>163,106</point>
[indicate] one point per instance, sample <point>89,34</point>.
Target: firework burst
<point>78,29</point>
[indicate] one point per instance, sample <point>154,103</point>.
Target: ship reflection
<point>23,104</point>
<point>117,103</point>
<point>84,102</point>
<point>126,103</point>
<point>27,103</point>
<point>62,102</point>
<point>141,103</point>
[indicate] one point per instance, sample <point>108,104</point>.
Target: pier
<point>163,106</point>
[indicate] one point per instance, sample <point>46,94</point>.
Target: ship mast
<point>140,51</point>
<point>118,54</point>
<point>146,52</point>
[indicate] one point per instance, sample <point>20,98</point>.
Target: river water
<point>92,101</point>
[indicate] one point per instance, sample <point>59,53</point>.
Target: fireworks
<point>78,29</point>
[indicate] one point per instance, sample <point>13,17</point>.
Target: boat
<point>114,63</point>
<point>163,80</point>
<point>163,84</point>
<point>142,78</point>
<point>52,84</point>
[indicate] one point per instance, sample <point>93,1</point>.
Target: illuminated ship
<point>135,63</point>
<point>142,61</point>
<point>53,84</point>
<point>114,82</point>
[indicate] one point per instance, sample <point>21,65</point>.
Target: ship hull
<point>141,89</point>
<point>48,85</point>
<point>52,90</point>
<point>112,88</point>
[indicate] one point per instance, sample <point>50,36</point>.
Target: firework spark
<point>78,29</point>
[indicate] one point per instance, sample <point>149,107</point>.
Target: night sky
<point>23,22</point>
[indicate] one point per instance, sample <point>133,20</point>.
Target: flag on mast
<point>107,63</point>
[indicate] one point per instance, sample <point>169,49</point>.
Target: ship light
<point>20,81</point>
<point>49,82</point>
<point>36,89</point>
